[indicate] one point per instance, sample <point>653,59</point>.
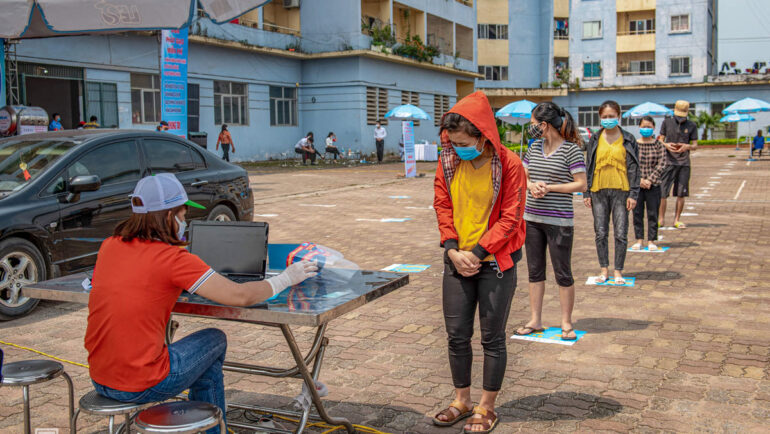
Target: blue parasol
<point>648,109</point>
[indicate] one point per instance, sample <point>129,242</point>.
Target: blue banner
<point>410,163</point>
<point>173,80</point>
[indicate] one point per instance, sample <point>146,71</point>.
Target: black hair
<point>93,119</point>
<point>54,115</point>
<point>759,133</point>
<point>558,118</point>
<point>331,133</point>
<point>610,104</point>
<point>453,122</point>
<point>309,136</point>
<point>648,119</point>
<point>224,127</point>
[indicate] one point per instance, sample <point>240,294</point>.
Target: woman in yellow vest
<point>613,187</point>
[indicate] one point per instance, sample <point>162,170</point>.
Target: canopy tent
<point>648,109</point>
<point>20,19</point>
<point>518,113</point>
<point>407,112</point>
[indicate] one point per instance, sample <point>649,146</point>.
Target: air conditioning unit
<point>289,4</point>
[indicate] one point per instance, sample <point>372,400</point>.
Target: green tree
<point>706,121</point>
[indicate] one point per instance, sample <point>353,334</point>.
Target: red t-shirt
<point>134,287</point>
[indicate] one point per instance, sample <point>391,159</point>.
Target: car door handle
<point>199,183</point>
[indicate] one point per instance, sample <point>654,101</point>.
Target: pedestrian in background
<point>305,148</point>
<point>55,124</point>
<point>162,126</point>
<point>479,200</point>
<point>379,140</point>
<point>330,146</point>
<point>680,136</point>
<point>613,187</point>
<point>226,140</point>
<point>759,143</point>
<point>93,123</point>
<point>555,169</point>
<point>652,164</point>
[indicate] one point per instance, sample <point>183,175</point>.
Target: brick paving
<point>685,350</point>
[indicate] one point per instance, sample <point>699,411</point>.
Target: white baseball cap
<point>160,192</point>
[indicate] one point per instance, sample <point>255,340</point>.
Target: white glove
<point>294,274</point>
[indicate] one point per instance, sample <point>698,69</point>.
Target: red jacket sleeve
<point>442,203</point>
<point>512,201</point>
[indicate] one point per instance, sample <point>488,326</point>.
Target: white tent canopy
<point>45,18</point>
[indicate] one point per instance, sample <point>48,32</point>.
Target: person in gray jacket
<point>613,187</point>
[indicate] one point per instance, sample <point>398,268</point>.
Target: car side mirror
<point>79,184</point>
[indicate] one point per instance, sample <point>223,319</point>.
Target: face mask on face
<point>610,123</point>
<point>182,227</point>
<point>646,132</point>
<point>468,152</point>
<point>535,131</point>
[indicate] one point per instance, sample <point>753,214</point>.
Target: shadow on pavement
<point>705,225</point>
<point>680,244</point>
<point>657,276</point>
<point>605,325</point>
<point>44,311</point>
<point>560,406</point>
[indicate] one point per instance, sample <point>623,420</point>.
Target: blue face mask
<point>609,124</point>
<point>646,132</point>
<point>467,152</point>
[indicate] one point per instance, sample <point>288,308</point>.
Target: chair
<point>95,404</point>
<point>180,417</point>
<point>25,373</point>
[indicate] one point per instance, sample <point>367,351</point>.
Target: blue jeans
<point>196,364</point>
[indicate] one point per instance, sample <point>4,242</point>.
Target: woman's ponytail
<point>569,129</point>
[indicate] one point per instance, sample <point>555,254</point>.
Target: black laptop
<point>236,250</point>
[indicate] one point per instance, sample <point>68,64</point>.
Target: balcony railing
<point>636,32</point>
<point>270,27</point>
<point>624,71</point>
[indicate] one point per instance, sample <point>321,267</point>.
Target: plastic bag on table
<point>324,256</point>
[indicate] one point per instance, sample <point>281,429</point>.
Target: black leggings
<point>493,295</point>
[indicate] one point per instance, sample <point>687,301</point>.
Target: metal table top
<point>318,300</point>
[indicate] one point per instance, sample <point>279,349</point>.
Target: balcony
<point>374,13</point>
<point>561,28</point>
<point>561,48</point>
<point>561,8</point>
<point>441,34</point>
<point>408,21</point>
<point>630,43</point>
<point>634,5</point>
<point>642,67</point>
<point>276,18</point>
<point>464,43</point>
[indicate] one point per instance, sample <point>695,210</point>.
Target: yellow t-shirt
<point>472,195</point>
<point>610,171</point>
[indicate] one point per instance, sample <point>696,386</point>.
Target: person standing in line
<point>226,140</point>
<point>162,126</point>
<point>652,164</point>
<point>305,148</point>
<point>555,169</point>
<point>613,187</point>
<point>758,144</point>
<point>93,123</point>
<point>55,124</point>
<point>330,146</point>
<point>680,136</point>
<point>379,140</point>
<point>479,190</point>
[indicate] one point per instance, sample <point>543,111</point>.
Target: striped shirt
<point>558,168</point>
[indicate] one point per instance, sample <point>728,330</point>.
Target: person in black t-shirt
<point>680,136</point>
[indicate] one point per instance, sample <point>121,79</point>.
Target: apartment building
<point>272,75</point>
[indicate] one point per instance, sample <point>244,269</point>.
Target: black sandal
<point>565,332</point>
<point>531,330</point>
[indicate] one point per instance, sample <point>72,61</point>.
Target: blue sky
<point>744,32</point>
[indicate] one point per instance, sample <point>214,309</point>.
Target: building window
<point>680,66</point>
<point>376,105</point>
<point>495,73</point>
<point>193,107</point>
<point>102,102</point>
<point>680,23</point>
<point>627,122</point>
<point>412,98</point>
<point>592,29</point>
<point>230,103</point>
<point>561,28</point>
<point>440,107</point>
<point>639,27</point>
<point>637,67</point>
<point>283,106</point>
<point>588,116</point>
<point>592,70</point>
<point>493,31</point>
<point>145,99</point>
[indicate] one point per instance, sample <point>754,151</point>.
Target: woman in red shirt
<point>480,189</point>
<point>139,274</point>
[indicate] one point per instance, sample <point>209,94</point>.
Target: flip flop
<point>619,282</point>
<point>531,330</point>
<point>680,225</point>
<point>601,278</point>
<point>566,332</point>
<point>637,246</point>
<point>652,247</point>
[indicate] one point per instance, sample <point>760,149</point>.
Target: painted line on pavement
<point>740,189</point>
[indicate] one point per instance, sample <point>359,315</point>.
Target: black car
<point>62,193</point>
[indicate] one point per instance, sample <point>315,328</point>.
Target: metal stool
<point>93,403</point>
<point>180,418</point>
<point>23,374</point>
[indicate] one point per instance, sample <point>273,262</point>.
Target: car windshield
<point>22,160</point>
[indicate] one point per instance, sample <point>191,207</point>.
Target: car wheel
<point>20,264</point>
<point>221,213</point>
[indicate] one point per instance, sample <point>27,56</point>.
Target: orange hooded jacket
<point>506,229</point>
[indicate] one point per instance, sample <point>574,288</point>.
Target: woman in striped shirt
<point>555,169</point>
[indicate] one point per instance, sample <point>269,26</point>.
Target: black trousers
<point>493,296</point>
<point>380,145</point>
<point>226,152</point>
<point>649,198</point>
<point>333,150</point>
<point>306,155</point>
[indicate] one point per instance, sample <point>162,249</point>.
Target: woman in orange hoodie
<point>480,190</point>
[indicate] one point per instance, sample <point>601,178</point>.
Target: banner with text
<point>173,81</point>
<point>410,163</point>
